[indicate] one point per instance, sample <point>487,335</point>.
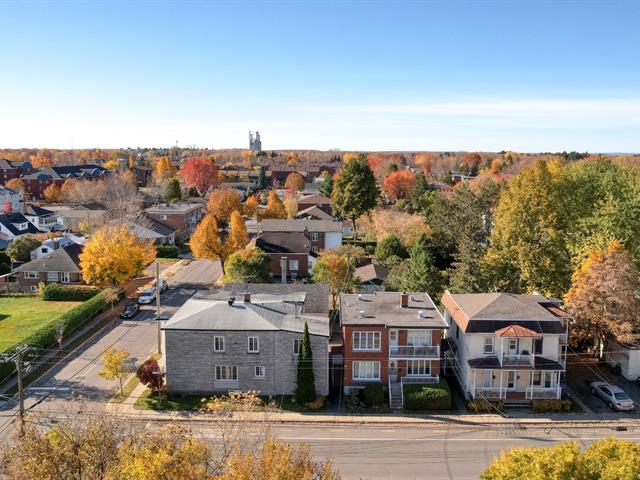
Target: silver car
<point>615,397</point>
<point>148,296</point>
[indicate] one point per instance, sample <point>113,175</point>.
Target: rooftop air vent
<point>361,314</point>
<point>231,300</point>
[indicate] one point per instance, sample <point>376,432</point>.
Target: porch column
<point>531,390</point>
<point>500,391</point>
<point>501,351</point>
<point>474,383</point>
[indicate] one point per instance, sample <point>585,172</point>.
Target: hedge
<point>72,320</point>
<point>167,251</point>
<point>55,292</point>
<point>427,397</point>
<point>552,405</point>
<point>373,394</point>
<point>482,405</point>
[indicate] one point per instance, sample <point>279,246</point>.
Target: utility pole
<point>158,307</point>
<point>17,359</point>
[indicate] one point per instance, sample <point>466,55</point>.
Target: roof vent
<point>421,314</point>
<point>231,300</point>
<point>359,296</point>
<point>361,314</point>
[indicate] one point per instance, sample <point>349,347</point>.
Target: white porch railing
<point>414,351</point>
<point>518,360</point>
<point>541,393</point>
<point>491,393</point>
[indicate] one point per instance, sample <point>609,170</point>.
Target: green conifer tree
<point>305,388</point>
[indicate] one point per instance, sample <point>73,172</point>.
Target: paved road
<point>198,273</point>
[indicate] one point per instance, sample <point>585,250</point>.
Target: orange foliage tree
<point>15,184</point>
<point>222,203</point>
<point>200,173</point>
<point>251,207</point>
<point>294,181</point>
<point>399,185</point>
<point>52,193</point>
<point>275,207</point>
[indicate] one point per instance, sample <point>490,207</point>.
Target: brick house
<point>183,217</point>
<point>322,233</point>
<point>390,338</point>
<point>315,200</point>
<point>60,266</point>
<point>246,339</point>
<point>37,181</point>
<point>291,250</point>
<point>9,169</point>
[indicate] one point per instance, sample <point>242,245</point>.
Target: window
<point>259,371</point>
<point>163,217</point>
<point>419,337</point>
<point>537,346</point>
<point>366,371</point>
<point>253,345</point>
<point>418,368</point>
<point>366,341</point>
<point>293,265</point>
<point>218,344</point>
<point>52,276</point>
<point>537,378</point>
<point>314,236</point>
<point>226,372</point>
<point>513,346</point>
<point>511,379</point>
<point>315,249</point>
<point>488,345</point>
<point>31,275</point>
<point>296,346</point>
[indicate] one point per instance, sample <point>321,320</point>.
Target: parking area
<point>583,369</point>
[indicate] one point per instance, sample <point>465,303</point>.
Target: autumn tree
<point>399,185</point>
<point>113,255</point>
<point>249,265</point>
<point>148,374</point>
<point>222,203</point>
<point>291,206</point>
<point>603,297</point>
<point>238,237</point>
<point>305,380</point>
<point>7,208</point>
<point>41,160</point>
<point>426,161</point>
<point>199,173</point>
<point>337,271</point>
<point>294,181</point>
<point>111,164</point>
<point>163,169</point>
<point>275,207</point>
<point>131,162</point>
<point>114,365</point>
<point>355,192</point>
<point>20,249</point>
<point>251,208</point>
<point>15,184</point>
<point>52,193</point>
<point>209,242</point>
<point>384,221</point>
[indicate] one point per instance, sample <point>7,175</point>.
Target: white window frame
<point>517,344</point>
<point>229,371</point>
<point>418,368</point>
<point>419,338</point>
<point>52,278</point>
<point>257,345</point>
<point>163,216</point>
<point>370,368</point>
<point>369,339</point>
<point>259,371</point>
<point>298,342</point>
<point>487,378</point>
<point>293,265</point>
<point>314,236</point>
<point>32,275</point>
<point>65,277</point>
<point>484,345</point>
<point>536,382</point>
<point>217,340</point>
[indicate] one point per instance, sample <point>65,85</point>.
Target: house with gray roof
<point>62,265</point>
<point>246,338</point>
<point>506,347</point>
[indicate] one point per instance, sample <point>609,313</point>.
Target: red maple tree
<point>199,173</point>
<point>399,185</point>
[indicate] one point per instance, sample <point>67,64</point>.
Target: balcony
<point>414,351</point>
<point>518,361</point>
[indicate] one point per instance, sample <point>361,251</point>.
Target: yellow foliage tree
<point>52,193</point>
<point>113,255</point>
<point>238,237</point>
<point>291,206</point>
<point>347,157</point>
<point>112,164</point>
<point>132,162</point>
<point>115,365</point>
<point>15,184</point>
<point>222,203</point>
<point>294,181</point>
<point>276,460</point>
<point>163,169</point>
<point>251,207</point>
<point>275,207</point>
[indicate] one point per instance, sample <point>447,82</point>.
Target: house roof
<point>179,207</point>
<point>9,191</point>
<point>299,225</point>
<point>265,312</point>
<point>67,171</point>
<point>384,308</point>
<point>489,312</point>
<point>316,298</point>
<point>492,363</point>
<point>516,331</point>
<point>63,259</point>
<point>316,199</point>
<point>314,213</point>
<point>10,165</point>
<point>36,211</point>
<point>371,272</point>
<point>283,242</point>
<point>9,221</point>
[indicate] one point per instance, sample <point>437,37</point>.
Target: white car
<point>147,297</point>
<point>615,397</point>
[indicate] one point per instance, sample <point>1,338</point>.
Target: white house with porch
<point>506,347</point>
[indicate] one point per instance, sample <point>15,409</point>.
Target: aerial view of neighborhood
<point>323,240</point>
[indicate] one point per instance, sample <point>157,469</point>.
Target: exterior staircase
<point>395,395</point>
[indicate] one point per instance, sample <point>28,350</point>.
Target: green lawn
<point>20,317</point>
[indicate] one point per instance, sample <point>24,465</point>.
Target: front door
<point>513,346</point>
<point>487,378</point>
<point>511,380</point>
<point>548,379</point>
<point>393,371</point>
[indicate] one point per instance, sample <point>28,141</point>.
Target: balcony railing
<point>490,393</point>
<point>413,351</point>
<point>518,360</point>
<point>541,393</point>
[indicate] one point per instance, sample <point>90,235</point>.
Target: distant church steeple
<point>255,145</point>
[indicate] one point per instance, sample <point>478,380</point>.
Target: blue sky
<point>413,75</point>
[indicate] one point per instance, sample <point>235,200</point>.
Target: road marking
<point>388,431</point>
<point>440,439</point>
<point>335,429</point>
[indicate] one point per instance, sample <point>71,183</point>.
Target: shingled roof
<point>64,259</point>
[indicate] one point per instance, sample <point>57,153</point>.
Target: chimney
<point>404,300</point>
<point>231,300</point>
<point>247,297</point>
<point>421,314</point>
<point>56,244</point>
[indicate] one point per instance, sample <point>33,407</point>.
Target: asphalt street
<point>197,273</point>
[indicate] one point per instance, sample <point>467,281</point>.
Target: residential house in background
<point>371,277</point>
<point>43,219</point>
<point>142,175</point>
<point>506,347</point>
<point>37,181</point>
<point>146,228</point>
<point>13,197</point>
<point>313,213</point>
<point>183,217</point>
<point>391,338</point>
<point>322,233</point>
<point>10,169</point>
<point>246,339</point>
<point>51,244</point>
<point>315,200</point>
<point>60,266</point>
<point>289,251</point>
<point>79,217</point>
<point>15,225</point>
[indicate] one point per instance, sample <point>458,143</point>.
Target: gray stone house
<point>247,339</point>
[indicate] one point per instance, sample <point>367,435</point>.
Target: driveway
<point>197,274</point>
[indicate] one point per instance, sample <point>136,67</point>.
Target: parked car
<point>615,397</point>
<point>163,285</point>
<point>147,297</point>
<point>130,311</point>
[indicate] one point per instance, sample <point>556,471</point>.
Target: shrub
<point>543,406</point>
<point>167,251</point>
<point>374,394</point>
<point>427,397</point>
<point>55,292</point>
<point>481,405</point>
